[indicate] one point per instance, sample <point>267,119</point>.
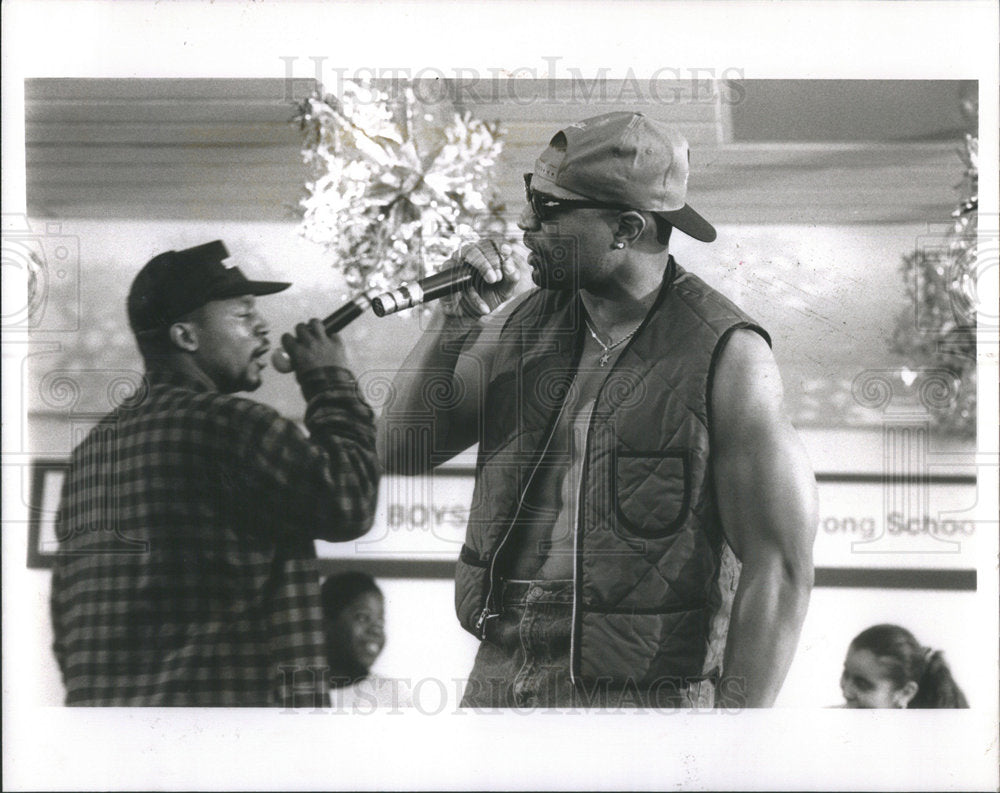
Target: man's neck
<point>181,366</point>
<point>621,305</point>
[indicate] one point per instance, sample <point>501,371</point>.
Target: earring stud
<point>618,245</point>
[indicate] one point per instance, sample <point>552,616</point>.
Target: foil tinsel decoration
<point>395,185</point>
<point>936,333</point>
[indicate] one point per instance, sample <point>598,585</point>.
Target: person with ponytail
<point>886,667</point>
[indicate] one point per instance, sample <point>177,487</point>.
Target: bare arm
<point>767,501</point>
<point>434,409</point>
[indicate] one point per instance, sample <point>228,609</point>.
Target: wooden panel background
<point>207,149</point>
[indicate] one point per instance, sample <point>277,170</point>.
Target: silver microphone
<point>423,291</point>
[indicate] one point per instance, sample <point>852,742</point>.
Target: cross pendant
<point>604,358</point>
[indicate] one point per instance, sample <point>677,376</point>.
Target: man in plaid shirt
<point>186,573</point>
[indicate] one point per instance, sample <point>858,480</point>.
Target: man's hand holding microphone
<point>496,275</point>
<point>311,348</point>
<point>472,283</point>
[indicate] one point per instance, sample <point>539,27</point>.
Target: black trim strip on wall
<point>391,568</point>
<point>896,479</point>
<point>897,578</point>
<point>828,477</point>
<point>826,577</point>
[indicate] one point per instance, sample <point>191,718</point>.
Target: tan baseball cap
<point>623,158</point>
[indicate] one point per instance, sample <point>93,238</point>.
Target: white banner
<point>900,523</point>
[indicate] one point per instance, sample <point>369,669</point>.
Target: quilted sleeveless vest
<point>654,577</point>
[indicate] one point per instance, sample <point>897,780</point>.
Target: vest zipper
<point>577,559</point>
<point>576,556</point>
<point>487,613</point>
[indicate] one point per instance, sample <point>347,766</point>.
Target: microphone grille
<point>383,304</point>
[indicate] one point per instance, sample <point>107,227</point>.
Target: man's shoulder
<point>704,316</point>
<point>747,352</point>
<point>703,298</point>
<point>240,408</point>
<point>747,381</point>
<point>176,404</point>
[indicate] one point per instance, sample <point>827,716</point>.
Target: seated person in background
<point>354,621</point>
<point>886,667</point>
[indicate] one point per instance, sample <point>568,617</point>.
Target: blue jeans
<point>524,661</point>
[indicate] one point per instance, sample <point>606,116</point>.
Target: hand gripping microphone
<point>337,321</point>
<point>423,291</point>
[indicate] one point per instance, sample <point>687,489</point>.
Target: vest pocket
<point>651,491</point>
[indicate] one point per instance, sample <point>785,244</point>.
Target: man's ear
<point>184,336</point>
<point>631,224</point>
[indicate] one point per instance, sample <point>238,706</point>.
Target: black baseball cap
<point>175,283</point>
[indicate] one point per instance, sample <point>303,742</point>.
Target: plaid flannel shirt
<point>186,572</point>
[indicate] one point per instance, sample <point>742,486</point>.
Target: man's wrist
<point>451,331</point>
<point>326,378</point>
<point>442,319</point>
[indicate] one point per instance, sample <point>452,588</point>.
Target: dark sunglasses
<point>546,207</point>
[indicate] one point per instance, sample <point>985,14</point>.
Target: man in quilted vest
<point>641,530</point>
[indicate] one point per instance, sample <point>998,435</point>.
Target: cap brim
<point>270,287</point>
<point>256,288</point>
<point>690,222</point>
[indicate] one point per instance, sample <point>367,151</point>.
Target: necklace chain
<point>607,348</point>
